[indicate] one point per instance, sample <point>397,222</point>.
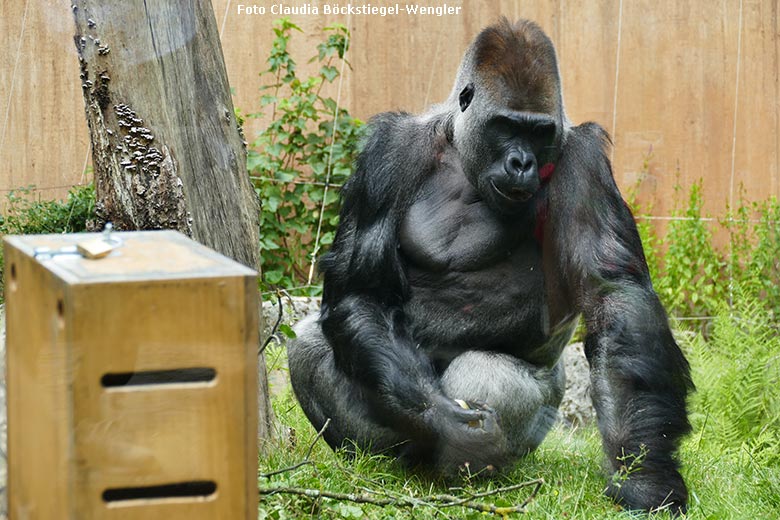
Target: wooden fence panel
<point>668,79</point>
<point>757,145</point>
<point>43,137</point>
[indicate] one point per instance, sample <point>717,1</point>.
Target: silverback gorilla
<point>472,237</point>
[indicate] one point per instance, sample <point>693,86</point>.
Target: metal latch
<point>93,249</point>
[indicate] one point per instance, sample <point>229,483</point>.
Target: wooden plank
<point>39,422</point>
<point>11,21</point>
<point>757,147</point>
<point>159,255</point>
<point>676,98</point>
<point>588,91</point>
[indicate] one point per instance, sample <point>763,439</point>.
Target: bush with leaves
<point>690,281</point>
<point>754,249</point>
<point>694,278</point>
<point>25,214</point>
<point>302,157</point>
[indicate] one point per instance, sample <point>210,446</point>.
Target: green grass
<point>725,482</point>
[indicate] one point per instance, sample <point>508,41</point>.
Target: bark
<point>166,148</point>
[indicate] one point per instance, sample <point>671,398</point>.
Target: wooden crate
<point>131,381</point>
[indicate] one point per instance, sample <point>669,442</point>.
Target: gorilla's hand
<point>470,439</point>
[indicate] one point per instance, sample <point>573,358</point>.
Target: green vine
<point>301,158</point>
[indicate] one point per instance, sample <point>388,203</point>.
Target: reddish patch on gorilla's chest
<point>545,174</point>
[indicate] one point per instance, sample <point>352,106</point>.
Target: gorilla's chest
<point>476,278</point>
<point>449,228</point>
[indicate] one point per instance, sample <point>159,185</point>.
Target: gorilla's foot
<point>652,492</point>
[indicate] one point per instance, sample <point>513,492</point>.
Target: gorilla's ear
<point>466,95</point>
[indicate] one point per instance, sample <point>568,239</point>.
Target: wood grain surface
<point>696,95</point>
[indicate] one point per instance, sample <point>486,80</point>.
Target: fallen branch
<point>383,498</point>
<point>437,501</point>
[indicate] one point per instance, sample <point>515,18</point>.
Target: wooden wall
<point>685,88</point>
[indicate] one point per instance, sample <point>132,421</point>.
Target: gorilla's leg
<point>324,392</point>
<point>524,397</point>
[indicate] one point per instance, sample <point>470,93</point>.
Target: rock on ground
<point>577,407</point>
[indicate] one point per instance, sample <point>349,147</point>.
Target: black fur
<point>456,277</point>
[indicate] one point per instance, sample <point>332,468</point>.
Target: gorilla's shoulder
<point>397,152</point>
<point>585,153</point>
<point>587,135</point>
<point>402,133</point>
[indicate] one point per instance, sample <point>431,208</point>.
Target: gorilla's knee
<point>306,350</point>
<point>525,397</point>
<point>307,358</point>
<point>325,392</point>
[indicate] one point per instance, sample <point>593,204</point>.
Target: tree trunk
<point>166,147</point>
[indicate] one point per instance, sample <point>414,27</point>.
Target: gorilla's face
<point>502,151</point>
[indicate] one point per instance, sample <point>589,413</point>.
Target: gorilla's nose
<point>518,162</point>
<point>522,177</point>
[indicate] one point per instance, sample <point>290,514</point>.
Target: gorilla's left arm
<point>640,377</point>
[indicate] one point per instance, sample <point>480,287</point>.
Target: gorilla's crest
<point>519,65</point>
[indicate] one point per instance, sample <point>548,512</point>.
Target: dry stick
<point>537,482</point>
<point>305,460</point>
<point>438,501</point>
<point>369,497</point>
<point>275,328</point>
<point>447,500</point>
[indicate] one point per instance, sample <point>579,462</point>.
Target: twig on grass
<point>506,489</point>
<point>435,501</point>
<point>383,498</point>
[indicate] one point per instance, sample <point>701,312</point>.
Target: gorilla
<point>471,240</point>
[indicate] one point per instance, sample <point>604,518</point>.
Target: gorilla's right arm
<point>365,284</point>
<point>640,377</point>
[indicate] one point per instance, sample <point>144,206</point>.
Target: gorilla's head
<point>508,112</point>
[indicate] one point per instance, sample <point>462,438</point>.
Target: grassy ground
<point>569,462</point>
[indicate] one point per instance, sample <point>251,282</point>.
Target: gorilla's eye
<point>466,95</point>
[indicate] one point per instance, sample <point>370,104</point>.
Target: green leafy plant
<point>692,276</point>
<point>737,373</point>
<point>691,279</point>
<point>764,264</point>
<point>302,157</point>
<point>741,241</point>
<point>25,214</point>
<point>630,463</point>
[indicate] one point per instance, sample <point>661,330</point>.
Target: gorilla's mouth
<point>514,194</point>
